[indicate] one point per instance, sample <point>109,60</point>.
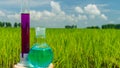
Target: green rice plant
<point>73,48</point>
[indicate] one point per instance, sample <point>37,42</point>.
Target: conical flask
<point>40,55</point>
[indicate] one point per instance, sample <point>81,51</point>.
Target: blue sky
<point>58,13</point>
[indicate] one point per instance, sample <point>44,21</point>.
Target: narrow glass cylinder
<point>25,27</point>
<point>25,34</point>
<point>25,6</point>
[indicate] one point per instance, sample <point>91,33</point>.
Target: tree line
<point>105,26</point>
<point>71,26</point>
<point>8,24</point>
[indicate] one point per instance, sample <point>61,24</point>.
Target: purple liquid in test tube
<point>25,25</point>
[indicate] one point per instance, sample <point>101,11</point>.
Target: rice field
<point>73,48</point>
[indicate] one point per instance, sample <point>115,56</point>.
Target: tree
<point>2,24</point>
<point>68,26</point>
<point>8,24</point>
<point>19,24</point>
<point>73,26</point>
<point>93,27</point>
<point>117,26</point>
<point>15,24</point>
<point>108,26</point>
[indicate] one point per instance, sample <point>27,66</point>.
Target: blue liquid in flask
<point>40,55</point>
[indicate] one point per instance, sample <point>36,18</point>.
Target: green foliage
<point>15,24</point>
<point>106,26</point>
<point>111,26</point>
<point>19,24</point>
<point>93,27</point>
<point>73,26</point>
<point>73,48</point>
<point>8,24</point>
<point>117,26</point>
<point>2,24</point>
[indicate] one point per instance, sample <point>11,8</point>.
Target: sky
<point>58,13</point>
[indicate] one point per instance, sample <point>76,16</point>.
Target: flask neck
<point>40,35</point>
<point>40,40</point>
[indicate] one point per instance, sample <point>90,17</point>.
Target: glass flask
<point>40,55</point>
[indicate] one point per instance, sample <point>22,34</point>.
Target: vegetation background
<point>73,48</point>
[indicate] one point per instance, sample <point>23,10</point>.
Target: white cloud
<point>47,13</point>
<point>13,18</point>
<point>2,13</point>
<point>78,9</point>
<point>92,16</point>
<point>55,7</point>
<point>82,17</point>
<point>51,18</point>
<point>34,15</point>
<point>92,9</point>
<point>93,12</point>
<point>59,18</point>
<point>37,15</point>
<point>103,16</point>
